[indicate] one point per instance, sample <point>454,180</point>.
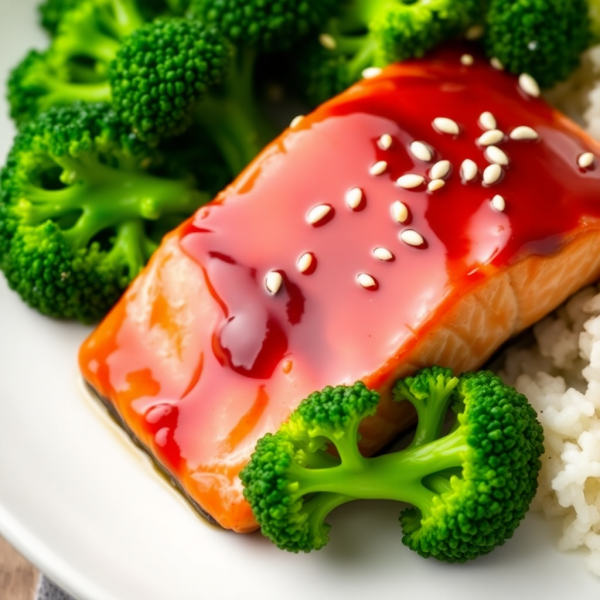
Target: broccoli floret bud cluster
<point>470,488</point>
<point>81,211</point>
<point>163,70</point>
<point>544,38</point>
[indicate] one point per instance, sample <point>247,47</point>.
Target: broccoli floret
<point>173,72</point>
<point>469,488</point>
<point>81,210</point>
<point>375,33</point>
<point>544,38</point>
<point>75,67</point>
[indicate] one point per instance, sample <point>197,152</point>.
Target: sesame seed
<point>366,281</point>
<point>487,120</point>
<point>495,62</point>
<point>495,155</point>
<point>445,125</point>
<point>421,151</point>
<point>410,181</point>
<point>586,160</point>
<point>436,184</point>
<point>305,262</point>
<point>273,282</point>
<point>523,133</point>
<point>378,168</point>
<point>354,197</point>
<point>498,203</point>
<point>382,254</point>
<point>371,72</point>
<point>385,141</point>
<point>399,211</point>
<point>492,174</point>
<point>474,32</point>
<point>412,237</point>
<point>318,213</point>
<point>468,170</point>
<point>327,41</point>
<point>440,169</point>
<point>296,121</point>
<point>467,60</point>
<point>488,138</point>
<point>529,85</point>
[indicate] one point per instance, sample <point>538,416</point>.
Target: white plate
<point>89,510</point>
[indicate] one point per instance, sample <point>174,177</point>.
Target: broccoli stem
<point>431,412</point>
<point>62,92</point>
<point>177,7</point>
<point>132,246</point>
<point>88,42</point>
<point>320,506</point>
<point>232,117</point>
<point>107,197</point>
<point>357,14</point>
<point>398,476</point>
<point>125,18</point>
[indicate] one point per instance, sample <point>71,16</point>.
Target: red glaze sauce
<point>220,360</point>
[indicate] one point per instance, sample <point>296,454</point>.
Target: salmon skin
<point>350,250</point>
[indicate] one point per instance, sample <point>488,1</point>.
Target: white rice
<point>558,369</point>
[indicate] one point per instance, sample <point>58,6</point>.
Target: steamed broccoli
<point>375,33</point>
<point>176,71</point>
<point>165,75</point>
<point>81,210</point>
<point>75,67</point>
<point>202,70</point>
<point>469,489</point>
<point>544,38</point>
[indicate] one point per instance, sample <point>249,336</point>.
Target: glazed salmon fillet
<point>422,217</point>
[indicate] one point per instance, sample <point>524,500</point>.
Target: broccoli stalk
<point>231,116</point>
<point>81,210</point>
<point>469,489</point>
<point>544,38</point>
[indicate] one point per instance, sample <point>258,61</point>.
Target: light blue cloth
<point>49,591</point>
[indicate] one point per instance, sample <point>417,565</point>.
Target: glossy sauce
<point>234,359</point>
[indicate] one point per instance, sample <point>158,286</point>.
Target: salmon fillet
<point>349,250</point>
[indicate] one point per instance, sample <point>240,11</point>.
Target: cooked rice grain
<point>560,375</point>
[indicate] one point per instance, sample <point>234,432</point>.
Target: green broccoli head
<point>406,30</point>
<point>375,33</point>
<point>81,210</point>
<point>275,481</point>
<point>544,38</point>
<point>469,488</point>
<point>163,70</point>
<point>477,503</point>
<point>269,25</point>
